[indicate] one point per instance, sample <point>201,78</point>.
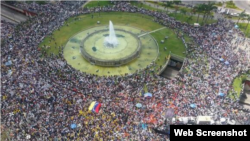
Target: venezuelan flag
<point>92,105</point>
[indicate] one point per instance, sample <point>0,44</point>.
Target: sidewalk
<point>216,15</point>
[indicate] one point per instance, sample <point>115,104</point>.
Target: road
<point>244,4</point>
<point>194,2</point>
<point>12,14</point>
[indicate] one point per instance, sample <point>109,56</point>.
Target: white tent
<point>204,119</point>
<point>196,24</point>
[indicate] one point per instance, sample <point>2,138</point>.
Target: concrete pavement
<point>216,15</point>
<point>7,12</point>
<point>3,17</point>
<point>244,4</point>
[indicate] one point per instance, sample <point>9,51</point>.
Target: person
<point>44,96</point>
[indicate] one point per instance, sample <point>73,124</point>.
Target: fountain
<point>111,41</point>
<point>103,51</point>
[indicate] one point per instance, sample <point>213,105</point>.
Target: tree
<point>204,11</point>
<point>209,8</point>
<point>193,11</point>
<point>168,4</point>
<point>176,9</point>
<point>177,2</point>
<point>189,18</point>
<point>241,15</point>
<point>10,1</point>
<point>183,11</point>
<point>198,9</point>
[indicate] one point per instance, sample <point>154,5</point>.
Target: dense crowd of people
<point>44,95</point>
<point>6,29</point>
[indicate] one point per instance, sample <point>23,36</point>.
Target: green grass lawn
<point>4,137</point>
<point>230,4</point>
<point>243,28</point>
<point>97,4</point>
<point>218,4</point>
<point>173,44</point>
<point>184,18</point>
<point>143,22</point>
<point>231,17</point>
<point>237,83</point>
<point>38,2</point>
<point>179,16</point>
<point>141,5</point>
<point>172,7</point>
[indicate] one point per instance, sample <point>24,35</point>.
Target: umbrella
<point>231,122</point>
<point>170,113</point>
<point>236,26</point>
<point>72,126</point>
<point>227,63</point>
<point>222,120</point>
<point>147,95</point>
<point>221,94</point>
<point>212,122</point>
<point>9,72</point>
<point>138,105</point>
<point>144,126</point>
<point>193,105</point>
<point>9,63</point>
<point>221,59</point>
<point>185,120</point>
<point>28,136</point>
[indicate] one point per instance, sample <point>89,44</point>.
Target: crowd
<point>6,29</point>
<point>44,95</point>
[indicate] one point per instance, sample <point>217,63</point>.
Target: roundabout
<point>86,51</point>
<point>139,37</point>
<point>54,93</point>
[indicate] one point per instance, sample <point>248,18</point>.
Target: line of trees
<point>10,1</point>
<point>244,16</point>
<point>205,9</point>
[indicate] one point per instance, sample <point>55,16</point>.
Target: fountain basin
<point>74,57</point>
<point>96,52</point>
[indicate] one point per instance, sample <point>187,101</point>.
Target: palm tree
<point>168,4</point>
<point>198,9</point>
<point>189,18</point>
<point>241,16</point>
<point>193,11</point>
<point>183,11</point>
<point>210,7</point>
<point>204,10</point>
<point>177,2</point>
<point>176,9</point>
<point>248,19</point>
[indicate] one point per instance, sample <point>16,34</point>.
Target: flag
<point>92,105</point>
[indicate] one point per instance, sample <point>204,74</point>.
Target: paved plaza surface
<point>7,12</point>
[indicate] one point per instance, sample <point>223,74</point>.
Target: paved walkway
<point>151,32</point>
<point>86,3</point>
